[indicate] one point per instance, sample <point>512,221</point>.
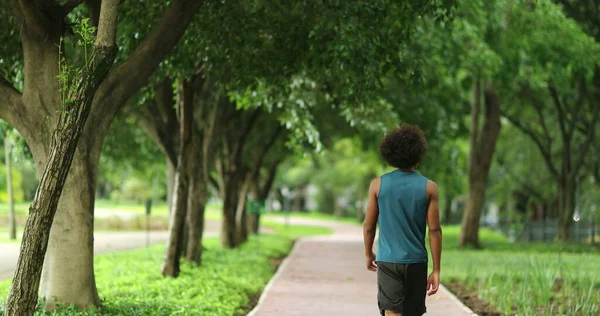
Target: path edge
<point>280,269</point>
<point>457,300</point>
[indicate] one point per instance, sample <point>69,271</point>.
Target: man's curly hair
<point>404,147</point>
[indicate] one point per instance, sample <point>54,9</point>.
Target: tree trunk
<point>195,216</point>
<point>337,208</point>
<point>228,233</point>
<point>566,205</point>
<point>483,146</point>
<point>24,290</point>
<point>175,245</point>
<point>12,222</point>
<point>171,172</point>
<point>68,272</point>
<point>242,214</point>
<point>471,218</point>
<point>69,278</point>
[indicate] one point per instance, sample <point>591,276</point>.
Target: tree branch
<point>578,105</point>
<point>475,113</point>
<point>124,81</point>
<point>561,114</point>
<point>588,140</point>
<point>264,190</point>
<point>70,6</point>
<point>213,182</point>
<point>10,98</point>
<point>547,136</point>
<point>165,137</point>
<point>261,156</point>
<point>241,139</point>
<point>527,187</point>
<point>164,96</point>
<point>544,151</point>
<point>107,25</point>
<point>33,17</point>
<point>94,11</point>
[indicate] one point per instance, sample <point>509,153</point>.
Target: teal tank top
<point>403,203</point>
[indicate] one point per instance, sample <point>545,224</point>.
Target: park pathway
<point>325,276</point>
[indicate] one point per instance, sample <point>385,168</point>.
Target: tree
<point>66,278</point>
<point>76,99</point>
<point>482,148</point>
<point>562,80</point>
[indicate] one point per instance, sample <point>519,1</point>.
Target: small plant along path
<point>326,276</point>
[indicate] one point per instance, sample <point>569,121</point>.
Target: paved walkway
<point>325,276</point>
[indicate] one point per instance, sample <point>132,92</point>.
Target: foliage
<point>131,165</point>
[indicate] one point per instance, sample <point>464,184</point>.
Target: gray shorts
<point>402,288</point>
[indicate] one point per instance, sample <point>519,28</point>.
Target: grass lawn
<point>131,206</point>
<point>316,216</point>
<point>130,283</point>
<point>525,278</point>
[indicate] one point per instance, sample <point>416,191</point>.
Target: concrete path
<point>325,276</point>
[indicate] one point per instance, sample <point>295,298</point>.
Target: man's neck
<point>407,170</point>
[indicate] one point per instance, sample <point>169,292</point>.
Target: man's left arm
<point>370,225</point>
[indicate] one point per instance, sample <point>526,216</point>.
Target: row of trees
<point>228,92</point>
<point>529,64</point>
<point>185,69</point>
<point>515,83</point>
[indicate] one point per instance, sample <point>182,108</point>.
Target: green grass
<point>130,283</point>
<point>293,231</point>
<point>316,216</point>
<point>518,278</point>
<point>132,206</point>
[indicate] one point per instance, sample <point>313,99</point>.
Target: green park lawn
<point>130,282</point>
<point>316,216</point>
<point>525,278</point>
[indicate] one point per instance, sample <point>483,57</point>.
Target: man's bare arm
<point>370,224</point>
<point>435,236</point>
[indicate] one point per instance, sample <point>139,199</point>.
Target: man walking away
<point>403,202</point>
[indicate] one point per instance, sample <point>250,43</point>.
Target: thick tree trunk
<point>12,222</point>
<point>60,152</point>
<point>472,216</point>
<point>566,205</point>
<point>483,146</point>
<point>35,118</point>
<point>195,217</point>
<point>228,232</point>
<point>24,290</point>
<point>68,273</point>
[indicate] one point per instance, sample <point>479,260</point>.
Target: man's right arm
<point>435,236</point>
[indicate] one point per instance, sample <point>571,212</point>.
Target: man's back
<point>402,202</point>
